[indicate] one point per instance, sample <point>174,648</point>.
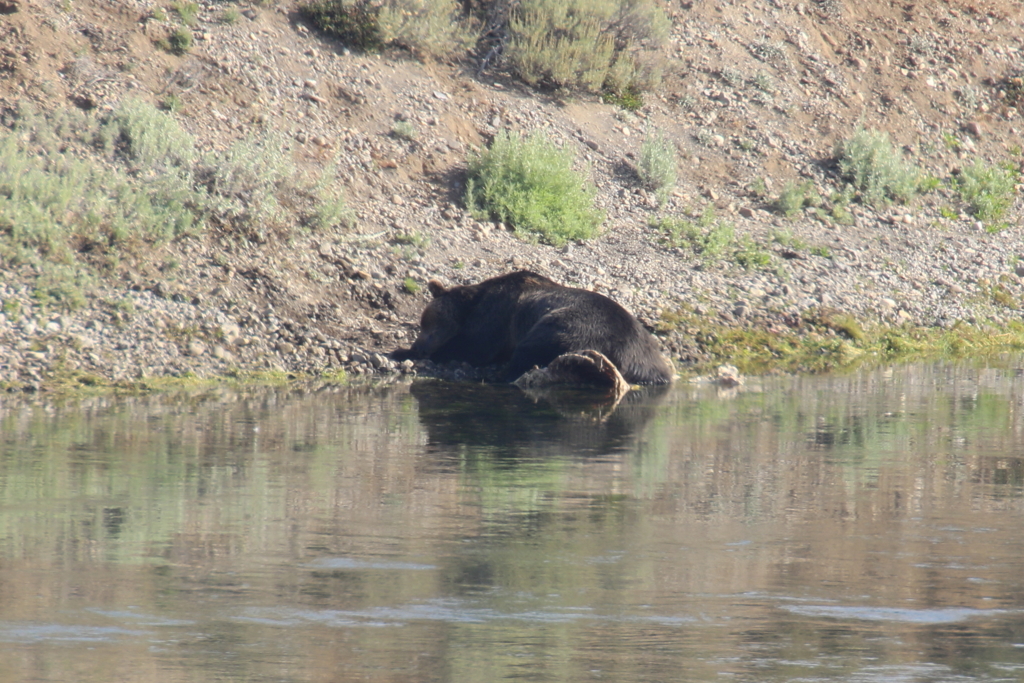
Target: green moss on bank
<point>827,341</point>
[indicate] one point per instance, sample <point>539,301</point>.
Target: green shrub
<point>171,103</point>
<point>153,139</point>
<point>404,130</point>
<point>53,203</point>
<point>629,99</point>
<point>750,255</point>
<point>354,22</point>
<point>178,42</point>
<point>869,161</point>
<point>531,185</point>
<point>796,196</point>
<point>587,44</point>
<point>712,239</point>
<point>187,11</point>
<point>62,286</point>
<point>427,28</point>
<point>331,209</point>
<point>657,165</point>
<point>77,188</point>
<point>244,182</point>
<point>987,190</point>
<point>708,236</point>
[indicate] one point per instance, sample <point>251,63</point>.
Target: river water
<point>865,527</point>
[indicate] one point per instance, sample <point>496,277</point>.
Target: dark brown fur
<point>521,320</point>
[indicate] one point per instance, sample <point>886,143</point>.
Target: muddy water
<point>857,528</point>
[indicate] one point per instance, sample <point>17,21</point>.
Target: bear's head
<point>441,320</point>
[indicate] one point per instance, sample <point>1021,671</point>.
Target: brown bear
<point>521,320</point>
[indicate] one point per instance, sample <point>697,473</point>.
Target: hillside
<point>755,97</point>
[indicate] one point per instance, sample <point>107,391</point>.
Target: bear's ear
<point>436,288</point>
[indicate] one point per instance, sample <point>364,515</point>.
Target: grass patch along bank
<point>830,341</point>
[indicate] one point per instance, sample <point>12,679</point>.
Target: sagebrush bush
<point>881,174</point>
<point>50,198</point>
<point>153,139</point>
<point>77,189</point>
<point>587,45</point>
<point>331,210</point>
<point>658,165</point>
<point>427,28</point>
<point>352,21</point>
<point>244,182</point>
<point>531,185</point>
<point>987,190</point>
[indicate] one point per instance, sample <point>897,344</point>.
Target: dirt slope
<point>754,92</point>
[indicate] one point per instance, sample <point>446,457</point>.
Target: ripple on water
<point>446,610</point>
<point>943,615</point>
<point>13,632</point>
<point>353,563</point>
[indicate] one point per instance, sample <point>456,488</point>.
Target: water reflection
<point>857,528</point>
<point>507,424</point>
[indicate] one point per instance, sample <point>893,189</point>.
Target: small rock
<point>229,332</point>
<point>196,348</point>
<point>974,128</point>
<point>285,348</point>
<point>728,376</point>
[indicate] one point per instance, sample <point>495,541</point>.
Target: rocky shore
<point>314,303</point>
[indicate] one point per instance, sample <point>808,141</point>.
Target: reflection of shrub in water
<point>500,421</point>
